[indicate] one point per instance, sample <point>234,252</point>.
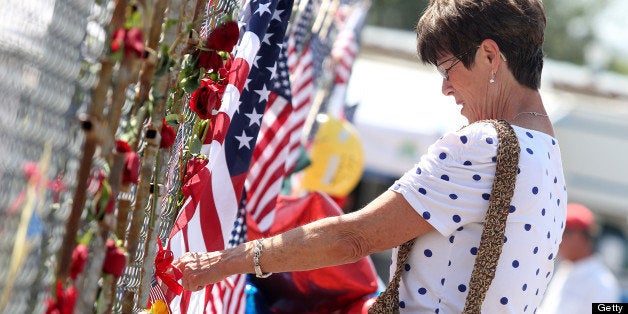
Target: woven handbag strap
<point>492,238</point>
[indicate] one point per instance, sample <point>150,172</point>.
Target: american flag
<point>209,213</point>
<point>346,45</point>
<point>265,178</point>
<point>279,141</point>
<point>350,20</point>
<point>155,292</point>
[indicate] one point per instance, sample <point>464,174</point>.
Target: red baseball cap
<point>579,217</point>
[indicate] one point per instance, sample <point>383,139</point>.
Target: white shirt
<point>575,286</point>
<point>450,188</point>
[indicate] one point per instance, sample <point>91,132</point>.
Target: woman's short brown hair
<point>457,26</point>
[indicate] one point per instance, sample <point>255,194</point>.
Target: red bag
<point>346,288</point>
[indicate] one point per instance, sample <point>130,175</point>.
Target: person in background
<point>581,277</point>
<point>489,54</point>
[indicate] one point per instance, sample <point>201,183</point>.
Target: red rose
<point>115,260</point>
<point>65,302</point>
<point>224,71</point>
<point>122,147</point>
<point>168,135</point>
<point>224,37</point>
<point>206,98</point>
<point>210,60</point>
<point>132,40</point>
<point>79,259</point>
<point>131,172</point>
<point>117,39</point>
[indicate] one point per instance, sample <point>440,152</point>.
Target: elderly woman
<point>489,55</point>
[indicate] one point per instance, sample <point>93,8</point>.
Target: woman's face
<point>468,87</point>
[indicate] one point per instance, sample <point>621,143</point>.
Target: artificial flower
<point>65,301</point>
<point>206,98</point>
<point>168,135</point>
<point>79,259</point>
<point>115,260</point>
<point>131,40</point>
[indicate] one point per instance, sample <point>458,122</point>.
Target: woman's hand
<point>199,269</point>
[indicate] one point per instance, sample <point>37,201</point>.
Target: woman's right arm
<point>386,222</point>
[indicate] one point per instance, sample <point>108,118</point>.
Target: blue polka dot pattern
<point>450,188</point>
<point>402,304</point>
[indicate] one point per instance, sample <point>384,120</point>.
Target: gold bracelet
<point>257,251</point>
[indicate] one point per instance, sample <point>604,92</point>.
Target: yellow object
<point>159,307</point>
<point>337,158</point>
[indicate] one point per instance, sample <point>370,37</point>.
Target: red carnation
<point>79,259</point>
<point>206,98</point>
<point>131,172</point>
<point>168,135</point>
<point>224,37</point>
<point>115,260</point>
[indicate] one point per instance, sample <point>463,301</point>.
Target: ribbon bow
<point>163,263</point>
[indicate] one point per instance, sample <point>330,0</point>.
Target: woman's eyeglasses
<point>444,72</point>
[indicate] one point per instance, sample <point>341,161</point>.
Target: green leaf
<point>195,145</point>
<point>172,118</point>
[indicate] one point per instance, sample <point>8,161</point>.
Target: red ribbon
<point>163,263</point>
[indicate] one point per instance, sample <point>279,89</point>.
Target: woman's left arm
<point>386,222</point>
